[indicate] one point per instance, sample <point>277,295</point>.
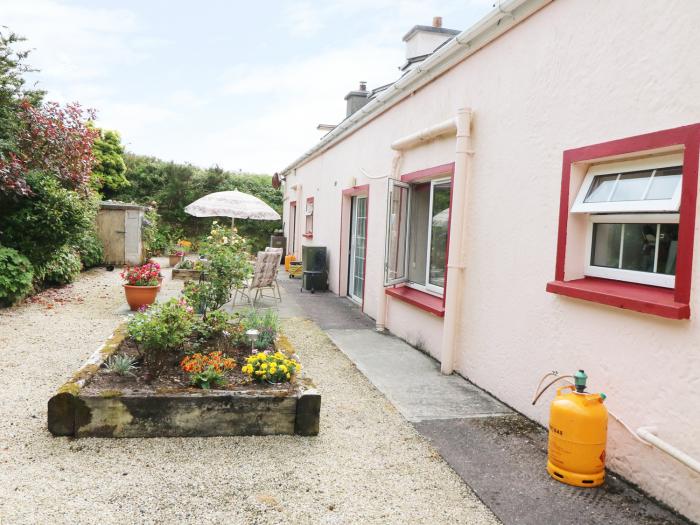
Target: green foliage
<point>173,186</point>
<point>265,322</point>
<point>16,275</point>
<point>161,331</point>
<point>108,173</point>
<point>61,268</point>
<point>157,236</point>
<point>12,89</point>
<point>90,249</point>
<point>40,225</point>
<point>228,267</point>
<point>207,379</point>
<point>122,365</point>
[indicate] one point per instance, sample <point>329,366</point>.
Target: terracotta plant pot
<point>174,259</point>
<point>138,296</point>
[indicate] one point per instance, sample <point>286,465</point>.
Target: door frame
<point>351,248</point>
<point>344,239</point>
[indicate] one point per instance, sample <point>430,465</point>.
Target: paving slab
<point>412,380</point>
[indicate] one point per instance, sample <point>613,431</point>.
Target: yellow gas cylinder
<point>287,260</point>
<point>578,427</point>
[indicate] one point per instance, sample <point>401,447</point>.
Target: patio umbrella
<point>234,204</point>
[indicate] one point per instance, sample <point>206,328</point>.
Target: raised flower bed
<point>188,270</point>
<point>150,380</point>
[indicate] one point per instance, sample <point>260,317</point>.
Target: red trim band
<point>631,296</point>
<point>356,190</point>
<point>429,173</point>
<point>422,300</point>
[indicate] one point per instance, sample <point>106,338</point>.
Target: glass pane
<point>396,233</point>
<point>601,188</point>
<point>638,247</point>
<point>418,233</point>
<point>668,247</point>
<point>631,186</point>
<point>664,184</point>
<point>438,236</point>
<point>606,245</point>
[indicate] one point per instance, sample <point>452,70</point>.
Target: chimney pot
<point>363,85</point>
<point>437,21</point>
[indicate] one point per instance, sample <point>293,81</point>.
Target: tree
<point>12,93</point>
<point>109,169</point>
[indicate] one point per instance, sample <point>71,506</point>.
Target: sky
<point>237,84</point>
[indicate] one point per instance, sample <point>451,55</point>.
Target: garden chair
<point>264,277</point>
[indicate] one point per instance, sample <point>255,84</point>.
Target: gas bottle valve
<point>580,381</point>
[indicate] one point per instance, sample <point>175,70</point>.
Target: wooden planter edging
<point>71,412</point>
<point>185,273</point>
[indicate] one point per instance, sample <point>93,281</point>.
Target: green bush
<point>16,275</point>
<point>40,225</point>
<point>160,332</point>
<point>62,268</point>
<point>89,247</point>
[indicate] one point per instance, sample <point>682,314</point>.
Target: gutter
<point>506,16</point>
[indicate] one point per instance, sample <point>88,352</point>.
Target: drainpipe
<point>381,302</point>
<point>446,127</point>
<point>457,254</point>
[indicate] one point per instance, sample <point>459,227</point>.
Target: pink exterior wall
<point>574,74</point>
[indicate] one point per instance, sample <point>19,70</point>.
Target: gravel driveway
<point>367,465</point>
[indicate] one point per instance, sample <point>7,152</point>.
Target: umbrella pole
<point>232,227</point>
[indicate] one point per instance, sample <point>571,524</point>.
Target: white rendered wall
<point>576,73</point>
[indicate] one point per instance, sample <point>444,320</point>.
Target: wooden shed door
<point>132,237</point>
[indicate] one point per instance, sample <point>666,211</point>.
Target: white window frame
<point>620,167</point>
<point>392,183</point>
<point>619,274</point>
<point>432,289</point>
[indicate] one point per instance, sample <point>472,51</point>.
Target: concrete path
<point>500,454</point>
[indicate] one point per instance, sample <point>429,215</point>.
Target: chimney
<point>421,41</point>
<point>356,99</point>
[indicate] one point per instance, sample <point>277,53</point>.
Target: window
<point>309,213</point>
<point>625,240</point>
<point>417,231</point>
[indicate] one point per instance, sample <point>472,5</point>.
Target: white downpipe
<point>457,255</point>
<point>424,135</point>
<point>648,435</point>
<point>381,301</point>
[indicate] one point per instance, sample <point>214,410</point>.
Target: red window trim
<point>429,173</point>
<point>426,175</point>
<point>354,191</point>
<point>425,301</point>
<point>674,303</point>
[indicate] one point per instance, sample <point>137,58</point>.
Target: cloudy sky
<point>238,84</point>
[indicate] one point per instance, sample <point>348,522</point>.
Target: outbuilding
<point>119,227</point>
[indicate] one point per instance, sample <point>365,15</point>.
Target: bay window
<point>417,234</point>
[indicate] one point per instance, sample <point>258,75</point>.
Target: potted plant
<point>175,256</point>
<point>142,285</point>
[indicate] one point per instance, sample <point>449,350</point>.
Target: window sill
<point>630,296</point>
<point>307,235</point>
<point>422,300</point>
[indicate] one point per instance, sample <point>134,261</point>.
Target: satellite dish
<point>276,183</point>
